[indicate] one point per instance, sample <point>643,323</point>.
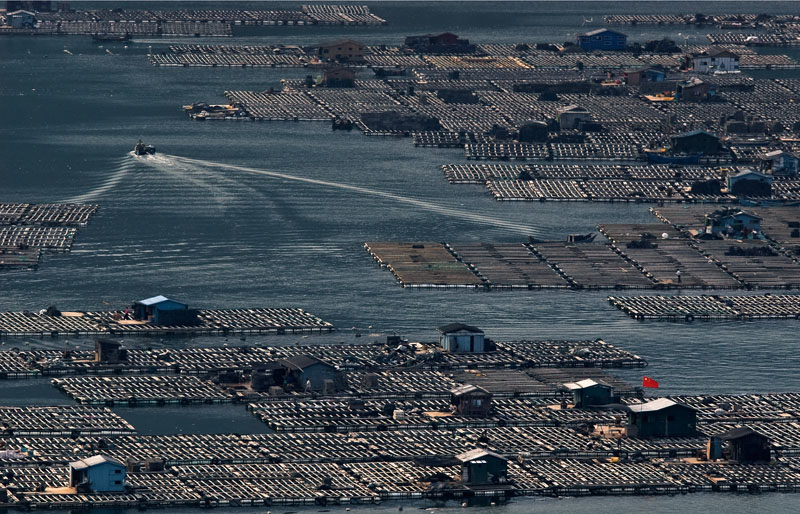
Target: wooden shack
<point>461,338</point>
<point>470,400</point>
<point>483,467</point>
<point>661,418</point>
<point>587,392</point>
<point>307,372</point>
<point>745,445</point>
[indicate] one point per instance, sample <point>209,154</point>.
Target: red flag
<point>649,382</point>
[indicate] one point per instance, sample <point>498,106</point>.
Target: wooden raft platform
<point>212,322</point>
<point>689,308</point>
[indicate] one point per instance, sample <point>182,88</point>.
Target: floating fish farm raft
<point>28,230</point>
<point>636,256</point>
<point>770,306</point>
<point>214,322</point>
<point>188,22</point>
<point>549,107</point>
<point>17,364</point>
<point>61,421</point>
<point>549,452</point>
<point>394,430</point>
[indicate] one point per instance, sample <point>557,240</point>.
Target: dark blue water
<point>204,223</point>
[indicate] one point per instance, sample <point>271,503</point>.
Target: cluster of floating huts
<point>689,113</point>
<point>465,417</point>
<point>123,24</point>
<point>29,230</point>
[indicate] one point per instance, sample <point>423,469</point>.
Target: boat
<point>143,149</point>
<point>105,36</point>
<point>660,157</point>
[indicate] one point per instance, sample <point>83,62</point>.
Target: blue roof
<point>154,300</point>
<point>157,300</point>
<point>602,31</point>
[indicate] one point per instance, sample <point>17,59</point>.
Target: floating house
<point>160,310</point>
<point>343,50</point>
<point>602,39</point>
<point>109,352</point>
<point>461,338</point>
<point>443,43</point>
<point>661,418</point>
<point>338,77</point>
<point>637,77</point>
<point>98,474</point>
<point>482,467</point>
<point>470,400</point>
<point>572,117</point>
<point>586,393</point>
<point>732,222</point>
<point>779,163</point>
<point>749,182</point>
<point>696,141</point>
<point>715,59</point>
<point>693,89</point>
<point>308,371</point>
<point>745,446</point>
<point>21,19</point>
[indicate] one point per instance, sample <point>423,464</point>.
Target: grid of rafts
<point>769,306</point>
<point>135,390</point>
<point>62,420</point>
<point>223,321</point>
<point>27,230</point>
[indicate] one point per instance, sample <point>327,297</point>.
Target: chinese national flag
<point>649,382</point>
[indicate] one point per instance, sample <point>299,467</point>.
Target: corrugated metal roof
<point>656,405</point>
<point>601,31</point>
<point>459,327</point>
<point>477,454</point>
<point>300,362</point>
<point>94,461</point>
<point>467,388</point>
<point>154,300</point>
<point>583,384</point>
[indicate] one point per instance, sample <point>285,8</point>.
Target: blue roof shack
<point>461,338</point>
<point>98,474</point>
<point>602,39</point>
<point>160,310</point>
<point>21,19</point>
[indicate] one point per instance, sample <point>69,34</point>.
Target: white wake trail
<point>110,183</point>
<point>432,207</point>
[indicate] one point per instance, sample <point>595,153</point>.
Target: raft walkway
<point>211,322</point>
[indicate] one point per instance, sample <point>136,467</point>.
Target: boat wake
<point>483,219</point>
<point>110,183</point>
